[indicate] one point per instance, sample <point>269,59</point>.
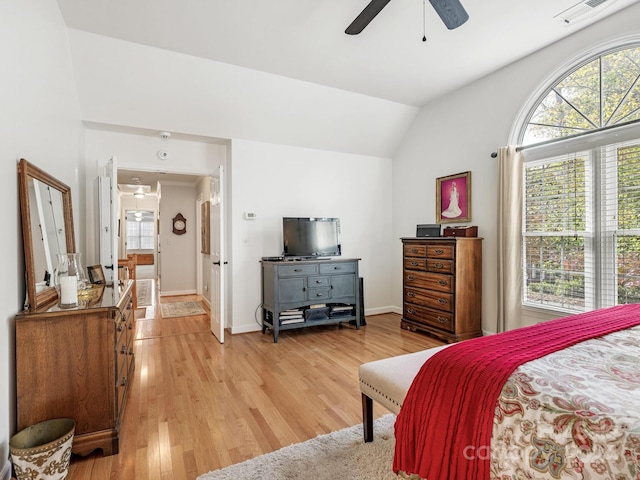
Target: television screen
<point>311,237</point>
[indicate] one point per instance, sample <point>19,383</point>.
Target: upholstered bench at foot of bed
<point>387,381</point>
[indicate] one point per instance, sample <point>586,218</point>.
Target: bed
<point>558,400</point>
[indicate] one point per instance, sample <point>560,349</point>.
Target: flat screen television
<point>311,237</point>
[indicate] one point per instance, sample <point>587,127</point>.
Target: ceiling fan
<point>451,12</point>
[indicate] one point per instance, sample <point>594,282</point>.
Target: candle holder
<point>69,278</point>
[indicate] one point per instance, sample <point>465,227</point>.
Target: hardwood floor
<point>196,405</point>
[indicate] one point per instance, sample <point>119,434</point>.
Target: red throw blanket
<point>443,431</point>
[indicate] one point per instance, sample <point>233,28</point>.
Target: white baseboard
<point>177,292</point>
<point>381,310</point>
<point>5,474</point>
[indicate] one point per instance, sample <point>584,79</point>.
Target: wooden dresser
<point>442,286</point>
<point>78,363</point>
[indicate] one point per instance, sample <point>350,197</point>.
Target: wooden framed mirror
<point>47,229</point>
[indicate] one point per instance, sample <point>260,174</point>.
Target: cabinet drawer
<point>440,251</point>
<point>429,298</point>
<point>415,263</point>
<point>338,268</point>
<point>319,293</point>
<point>440,266</point>
<point>317,282</point>
<point>296,269</point>
<point>415,250</point>
<point>443,320</point>
<point>430,281</point>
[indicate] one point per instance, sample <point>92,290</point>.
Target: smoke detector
<point>165,135</point>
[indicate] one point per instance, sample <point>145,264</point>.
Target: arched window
<point>581,222</point>
<point>601,93</point>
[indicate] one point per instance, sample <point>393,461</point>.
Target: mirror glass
<point>47,230</point>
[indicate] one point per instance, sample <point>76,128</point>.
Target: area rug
<point>144,290</point>
<point>337,455</point>
<point>181,309</point>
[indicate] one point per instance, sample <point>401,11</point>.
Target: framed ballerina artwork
<point>453,198</point>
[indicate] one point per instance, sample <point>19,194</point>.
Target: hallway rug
<point>337,455</point>
<point>144,290</point>
<point>181,309</point>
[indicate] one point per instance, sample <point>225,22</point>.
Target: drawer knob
<point>131,351</point>
<point>130,326</point>
<point>410,277</point>
<point>414,250</point>
<point>123,350</point>
<point>337,268</point>
<point>442,282</point>
<point>439,252</point>
<point>411,310</point>
<point>414,264</point>
<point>318,281</point>
<point>318,294</point>
<point>297,269</point>
<point>443,320</point>
<point>439,265</point>
<point>123,382</point>
<point>442,301</point>
<point>120,328</point>
<point>411,294</point>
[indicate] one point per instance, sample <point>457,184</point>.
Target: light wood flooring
<point>196,405</point>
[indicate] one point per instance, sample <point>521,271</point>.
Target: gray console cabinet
<point>298,284</point>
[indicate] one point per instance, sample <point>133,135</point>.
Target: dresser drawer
<point>349,267</point>
<point>297,269</point>
<point>415,250</point>
<point>440,251</point>
<point>429,298</point>
<point>442,320</point>
<point>439,266</point>
<point>430,281</point>
<point>415,263</point>
<point>317,282</point>
<point>319,293</point>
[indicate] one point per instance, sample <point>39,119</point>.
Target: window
<point>581,219</point>
<point>140,234</point>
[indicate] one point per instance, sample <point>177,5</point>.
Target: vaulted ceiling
<point>305,39</point>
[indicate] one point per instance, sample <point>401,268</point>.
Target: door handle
<point>109,267</point>
<point>218,263</point>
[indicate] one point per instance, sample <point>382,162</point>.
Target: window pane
<point>628,256</point>
<point>555,271</point>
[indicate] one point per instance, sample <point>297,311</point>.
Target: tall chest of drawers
<point>78,363</point>
<point>442,287</point>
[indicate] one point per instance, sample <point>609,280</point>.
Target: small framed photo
<point>96,275</point>
<point>453,198</point>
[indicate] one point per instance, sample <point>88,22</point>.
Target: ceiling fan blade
<point>365,17</point>
<point>451,12</point>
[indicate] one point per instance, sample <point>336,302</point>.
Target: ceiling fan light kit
<point>451,12</point>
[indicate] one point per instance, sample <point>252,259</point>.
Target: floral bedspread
<point>574,414</point>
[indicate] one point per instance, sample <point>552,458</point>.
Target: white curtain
<point>510,168</point>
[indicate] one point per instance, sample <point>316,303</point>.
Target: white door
<point>108,220</point>
<point>217,255</point>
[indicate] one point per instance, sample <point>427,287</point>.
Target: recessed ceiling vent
<point>582,10</point>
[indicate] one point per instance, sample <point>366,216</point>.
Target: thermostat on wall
<point>250,216</point>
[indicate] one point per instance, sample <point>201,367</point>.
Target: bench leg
<point>367,418</point>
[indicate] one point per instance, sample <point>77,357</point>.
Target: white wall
<point>40,121</point>
<point>178,252</point>
<point>275,181</point>
<point>458,132</point>
<point>123,83</point>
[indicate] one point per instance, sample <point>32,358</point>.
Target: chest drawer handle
<point>318,294</point>
<point>120,328</point>
<point>123,382</point>
<point>442,301</point>
<point>442,282</point>
<point>414,264</point>
<point>443,320</point>
<point>318,281</point>
<point>411,294</point>
<point>439,252</point>
<point>414,250</point>
<point>123,350</point>
<point>297,269</point>
<point>439,265</point>
<point>131,351</point>
<point>410,310</point>
<point>410,277</point>
<point>337,268</point>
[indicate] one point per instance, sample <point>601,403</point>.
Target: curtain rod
<point>569,137</point>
